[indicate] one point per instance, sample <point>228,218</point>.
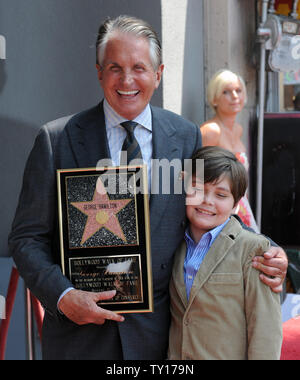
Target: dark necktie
<point>130,146</point>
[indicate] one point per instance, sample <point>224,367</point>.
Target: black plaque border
<point>143,248</point>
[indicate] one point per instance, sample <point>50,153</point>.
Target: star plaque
<point>105,234</point>
<point>101,212</point>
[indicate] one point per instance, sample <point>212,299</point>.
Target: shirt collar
<point>113,119</point>
<point>211,235</point>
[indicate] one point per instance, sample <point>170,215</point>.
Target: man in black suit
<point>129,70</point>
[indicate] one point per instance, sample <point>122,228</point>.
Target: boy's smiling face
<point>215,206</point>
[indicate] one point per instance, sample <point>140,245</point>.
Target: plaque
<point>105,234</point>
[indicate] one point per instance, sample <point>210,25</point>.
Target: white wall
<point>173,42</point>
<point>183,55</point>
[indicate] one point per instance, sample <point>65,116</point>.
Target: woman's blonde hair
<point>219,81</point>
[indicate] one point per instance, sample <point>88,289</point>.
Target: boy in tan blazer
<point>220,309</point>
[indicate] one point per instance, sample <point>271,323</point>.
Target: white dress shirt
<point>116,134</point>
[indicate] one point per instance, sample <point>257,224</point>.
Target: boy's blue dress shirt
<point>195,254</point>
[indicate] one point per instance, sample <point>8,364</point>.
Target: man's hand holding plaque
<point>82,307</point>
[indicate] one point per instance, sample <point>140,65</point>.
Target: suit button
<point>164,266</point>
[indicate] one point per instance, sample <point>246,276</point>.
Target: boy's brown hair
<point>220,163</point>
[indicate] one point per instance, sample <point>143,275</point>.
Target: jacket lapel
<point>216,254</point>
<point>88,137</point>
<point>165,147</point>
<point>178,273</point>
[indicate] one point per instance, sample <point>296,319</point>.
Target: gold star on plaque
<point>102,213</point>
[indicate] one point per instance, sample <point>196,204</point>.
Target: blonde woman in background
<point>227,95</point>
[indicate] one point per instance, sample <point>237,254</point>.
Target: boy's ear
<point>182,175</point>
<point>235,207</point>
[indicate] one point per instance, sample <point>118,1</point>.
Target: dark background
<point>281,179</point>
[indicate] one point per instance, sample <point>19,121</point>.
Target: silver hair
<point>131,25</point>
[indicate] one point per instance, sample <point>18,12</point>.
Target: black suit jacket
<point>81,141</point>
